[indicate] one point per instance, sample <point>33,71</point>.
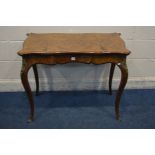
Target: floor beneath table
<point>79,110</point>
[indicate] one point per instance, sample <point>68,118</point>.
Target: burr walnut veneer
<point>61,48</point>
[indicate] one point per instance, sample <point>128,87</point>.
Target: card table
<point>62,48</point>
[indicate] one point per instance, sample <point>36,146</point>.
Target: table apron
<point>31,60</point>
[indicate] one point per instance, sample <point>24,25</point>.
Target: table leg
<point>124,77</point>
<point>111,77</point>
<point>36,78</point>
<point>24,79</point>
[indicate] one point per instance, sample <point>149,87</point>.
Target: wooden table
<point>61,48</point>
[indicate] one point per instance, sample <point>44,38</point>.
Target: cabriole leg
<point>24,79</point>
<point>124,77</point>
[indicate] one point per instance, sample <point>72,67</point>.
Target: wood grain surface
<point>76,43</point>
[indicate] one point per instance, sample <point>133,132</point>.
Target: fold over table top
<point>74,43</point>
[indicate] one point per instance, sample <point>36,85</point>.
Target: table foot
<point>37,93</point>
<point>30,119</point>
<point>117,115</point>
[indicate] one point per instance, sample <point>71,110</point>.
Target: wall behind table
<point>141,63</point>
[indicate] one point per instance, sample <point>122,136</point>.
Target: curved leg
<point>124,77</point>
<point>36,78</point>
<point>24,79</point>
<point>111,77</point>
